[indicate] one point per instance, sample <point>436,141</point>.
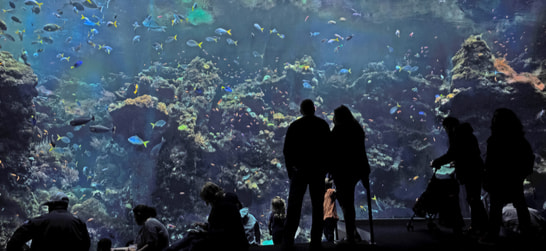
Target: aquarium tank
<point>119,103</point>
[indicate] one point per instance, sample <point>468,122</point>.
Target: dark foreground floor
<point>394,235</point>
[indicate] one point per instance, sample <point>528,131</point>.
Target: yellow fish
<point>136,88</point>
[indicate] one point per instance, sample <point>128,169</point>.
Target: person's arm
<point>444,159</point>
<point>21,236</point>
<point>86,241</point>
<point>288,151</point>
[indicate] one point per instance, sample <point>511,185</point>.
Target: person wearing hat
<point>57,230</point>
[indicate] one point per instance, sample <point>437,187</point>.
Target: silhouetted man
<point>305,151</point>
<point>58,230</point>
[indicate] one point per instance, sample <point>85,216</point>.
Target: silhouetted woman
<point>350,164</point>
<point>464,152</point>
<point>508,162</point>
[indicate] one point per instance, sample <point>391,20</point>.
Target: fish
<point>135,25</point>
<point>155,150</point>
<point>63,139</point>
<point>159,123</point>
<point>194,6</point>
<point>222,31</point>
<point>227,89</point>
<point>177,19</point>
<point>257,54</point>
<point>345,71</point>
<point>210,39</point>
<point>157,46</point>
<point>136,39</point>
<point>274,30</point>
<point>390,49</point>
<point>67,59</point>
<point>257,26</point>
<point>90,4</point>
<point>24,57</point>
<point>36,10</point>
<point>89,22</point>
<point>339,36</point>
<point>51,27</point>
<point>135,140</point>
<point>9,37</point>
<point>231,41</point>
<point>397,33</point>
<point>81,120</point>
<point>110,23</point>
<point>171,39</point>
<point>306,84</point>
<point>15,19</point>
<point>394,108</point>
<point>76,65</point>
<point>280,35</point>
<point>101,129</point>
<point>136,89</point>
<point>152,25</point>
<point>314,34</point>
<point>107,48</point>
<point>3,25</point>
<point>333,40</point>
<point>407,68</point>
<point>193,43</point>
<point>77,6</point>
<point>33,3</point>
<point>349,37</point>
<point>11,4</point>
<point>331,22</point>
<point>20,34</point>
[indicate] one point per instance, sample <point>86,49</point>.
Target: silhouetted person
<point>350,165</point>
<point>251,226</point>
<point>104,244</point>
<point>153,235</point>
<point>58,230</point>
<point>464,152</point>
<point>277,220</point>
<point>224,227</point>
<point>330,211</point>
<point>509,160</point>
<point>305,153</point>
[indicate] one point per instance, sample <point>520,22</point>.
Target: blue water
<point>108,164</point>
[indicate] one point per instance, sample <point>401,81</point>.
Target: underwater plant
<point>200,16</point>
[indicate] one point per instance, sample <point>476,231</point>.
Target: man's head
<point>307,107</point>
<point>58,200</point>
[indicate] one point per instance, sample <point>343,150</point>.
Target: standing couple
<point>311,151</point>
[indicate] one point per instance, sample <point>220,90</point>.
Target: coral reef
<point>200,16</point>
<point>17,88</point>
<point>471,62</point>
<point>512,76</point>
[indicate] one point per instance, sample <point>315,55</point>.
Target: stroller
<point>440,199</point>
